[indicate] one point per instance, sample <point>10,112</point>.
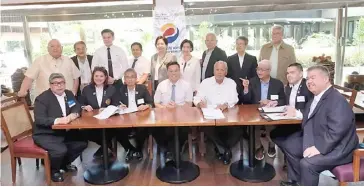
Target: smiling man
<point>328,137</point>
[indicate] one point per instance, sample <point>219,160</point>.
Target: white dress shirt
<point>142,66</point>
<point>118,58</point>
<point>131,99</point>
<point>241,60</point>
<point>274,61</point>
<point>99,94</point>
<point>191,71</point>
<point>316,99</point>
<point>183,92</point>
<point>216,94</point>
<point>85,71</point>
<point>293,96</point>
<point>62,104</point>
<point>206,62</point>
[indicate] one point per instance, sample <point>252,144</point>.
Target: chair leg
<point>13,169</point>
<point>115,147</point>
<point>37,163</point>
<point>190,145</point>
<point>150,147</point>
<point>19,161</point>
<point>47,167</point>
<point>202,146</point>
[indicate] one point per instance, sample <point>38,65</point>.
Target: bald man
<point>262,90</point>
<point>44,66</point>
<point>211,56</point>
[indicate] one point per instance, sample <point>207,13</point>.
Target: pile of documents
<point>111,110</point>
<point>212,113</point>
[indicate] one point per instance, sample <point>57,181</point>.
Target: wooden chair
<point>348,93</point>
<point>352,172</point>
<point>17,127</point>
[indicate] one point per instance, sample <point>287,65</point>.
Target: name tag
<point>71,103</point>
<point>301,99</point>
<point>140,101</point>
<point>274,97</point>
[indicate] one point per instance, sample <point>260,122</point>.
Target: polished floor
<point>212,171</point>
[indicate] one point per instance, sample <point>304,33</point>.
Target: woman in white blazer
<point>190,66</point>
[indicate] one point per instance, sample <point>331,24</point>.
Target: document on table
<point>278,116</point>
<point>212,113</point>
<point>278,109</point>
<point>107,112</point>
<point>111,110</point>
<point>128,110</point>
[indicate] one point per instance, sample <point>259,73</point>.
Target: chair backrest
<point>149,86</point>
<point>348,93</point>
<point>16,121</point>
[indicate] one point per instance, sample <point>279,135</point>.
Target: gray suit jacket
<point>162,69</point>
<point>334,129</point>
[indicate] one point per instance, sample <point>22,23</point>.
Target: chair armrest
<point>360,131</point>
<point>358,153</point>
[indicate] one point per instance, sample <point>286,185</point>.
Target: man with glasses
<point>58,105</point>
<point>263,90</point>
<point>44,66</point>
<point>83,62</point>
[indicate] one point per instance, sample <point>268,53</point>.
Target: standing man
<point>44,66</point>
<point>241,64</point>
<point>139,63</point>
<point>211,56</point>
<point>328,137</point>
<point>279,53</point>
<point>83,62</point>
<point>111,57</point>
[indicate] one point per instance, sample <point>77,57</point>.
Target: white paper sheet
<point>274,109</point>
<point>107,112</point>
<point>211,113</point>
<point>128,110</point>
<point>277,116</point>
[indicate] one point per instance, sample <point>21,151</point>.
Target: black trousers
<point>95,135</point>
<point>164,136</point>
<point>62,149</point>
<point>224,138</point>
<point>281,132</point>
<point>122,135</point>
<point>306,171</point>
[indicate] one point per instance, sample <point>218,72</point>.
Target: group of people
<point>66,86</point>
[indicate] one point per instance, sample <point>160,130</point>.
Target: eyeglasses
<point>58,83</point>
<point>129,77</point>
<point>261,69</point>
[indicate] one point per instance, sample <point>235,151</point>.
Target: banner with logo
<point>170,22</point>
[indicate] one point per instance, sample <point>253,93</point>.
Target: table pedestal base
<point>98,175</point>
<point>262,172</point>
<point>169,173</point>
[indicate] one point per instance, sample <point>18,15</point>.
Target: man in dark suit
<point>132,95</point>
<point>241,64</point>
<point>211,56</point>
<point>83,62</point>
<point>58,106</point>
<point>297,97</point>
<point>328,138</point>
<point>263,90</point>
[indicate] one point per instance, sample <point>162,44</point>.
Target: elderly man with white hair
<point>262,90</point>
<point>279,53</point>
<point>219,92</point>
<point>44,66</point>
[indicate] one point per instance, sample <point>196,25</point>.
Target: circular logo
<point>170,31</point>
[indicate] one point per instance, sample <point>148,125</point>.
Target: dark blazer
<point>141,92</point>
<point>216,55</point>
<point>74,59</point>
<point>235,71</point>
<point>334,130</point>
<point>302,91</point>
<point>253,96</point>
<point>47,109</point>
<point>88,96</point>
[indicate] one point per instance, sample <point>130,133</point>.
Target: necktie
<point>132,66</point>
<point>184,67</point>
<point>173,96</point>
<point>312,107</point>
<point>109,63</point>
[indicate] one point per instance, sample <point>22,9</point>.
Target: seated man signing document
<point>219,92</point>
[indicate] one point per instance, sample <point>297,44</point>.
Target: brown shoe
<point>259,153</point>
